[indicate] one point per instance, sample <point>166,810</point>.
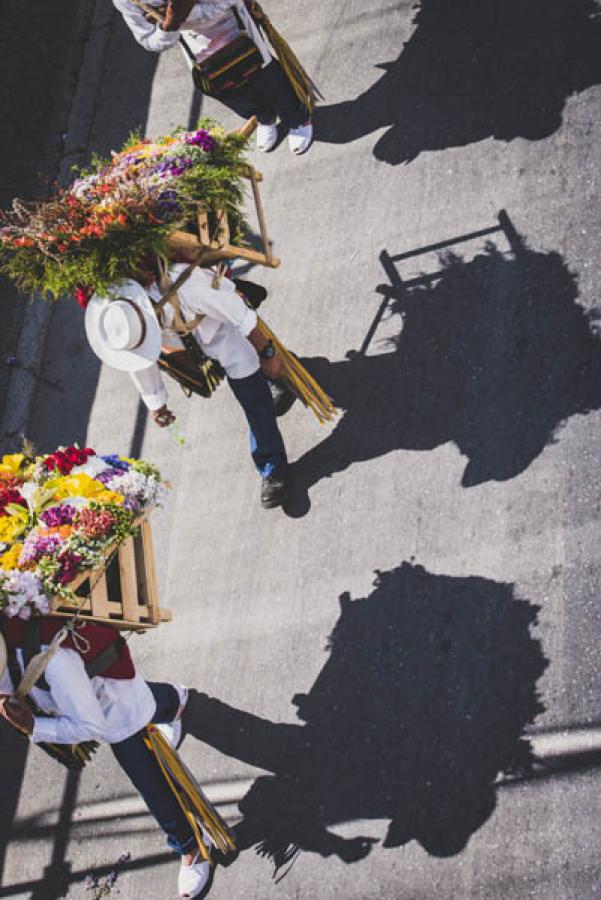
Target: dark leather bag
<point>228,69</point>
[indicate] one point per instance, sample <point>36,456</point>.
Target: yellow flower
<point>11,526</point>
<point>11,463</point>
<point>10,559</point>
<point>82,485</point>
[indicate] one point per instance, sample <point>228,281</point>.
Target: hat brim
<point>142,356</point>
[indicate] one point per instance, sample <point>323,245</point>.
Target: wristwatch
<point>268,351</point>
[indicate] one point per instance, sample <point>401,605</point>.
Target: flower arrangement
<point>120,212</point>
<point>62,513</point>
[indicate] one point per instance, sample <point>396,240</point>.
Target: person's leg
<point>141,766</point>
<point>167,699</point>
<point>250,101</point>
<point>274,85</point>
<point>266,443</point>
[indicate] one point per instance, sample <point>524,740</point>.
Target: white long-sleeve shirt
<point>222,333</point>
<point>85,709</point>
<point>210,26</point>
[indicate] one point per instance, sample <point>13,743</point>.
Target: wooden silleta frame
<point>123,592</point>
<point>213,242</point>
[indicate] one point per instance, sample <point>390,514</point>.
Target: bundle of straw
<point>197,808</point>
<point>304,87</point>
<point>300,381</point>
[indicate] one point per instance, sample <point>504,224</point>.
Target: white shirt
<point>222,333</point>
<point>204,32</point>
<point>83,708</point>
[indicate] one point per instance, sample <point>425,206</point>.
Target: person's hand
<point>272,368</point>
<point>176,14</point>
<point>17,713</point>
<point>163,416</point>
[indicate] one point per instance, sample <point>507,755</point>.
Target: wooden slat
<point>203,226</point>
<point>260,215</point>
<point>127,573</point>
<point>99,595</point>
<point>189,246</point>
<point>152,594</point>
<point>221,233</point>
<point>119,624</point>
<point>247,129</point>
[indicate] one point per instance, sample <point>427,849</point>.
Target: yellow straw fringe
<point>193,802</point>
<point>300,381</point>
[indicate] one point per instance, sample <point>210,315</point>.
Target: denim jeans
<point>268,95</point>
<point>266,444</point>
<point>140,764</point>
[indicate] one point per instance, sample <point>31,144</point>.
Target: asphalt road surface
<point>440,275</point>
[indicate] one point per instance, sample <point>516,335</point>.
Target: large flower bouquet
<point>114,216</point>
<point>61,514</point>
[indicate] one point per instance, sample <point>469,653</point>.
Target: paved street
<point>440,276</point>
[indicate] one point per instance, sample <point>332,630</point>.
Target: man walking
<point>124,332</point>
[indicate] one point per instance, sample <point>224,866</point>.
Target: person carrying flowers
<point>226,42</point>
<point>124,331</point>
<point>92,692</point>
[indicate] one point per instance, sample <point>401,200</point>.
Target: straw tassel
<point>304,87</point>
<point>300,381</point>
<point>199,811</point>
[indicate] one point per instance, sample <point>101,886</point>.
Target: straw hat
<point>123,329</point>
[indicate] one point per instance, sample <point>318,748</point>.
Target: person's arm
<point>154,395</point>
<point>225,305</point>
<point>148,34</point>
<point>81,717</point>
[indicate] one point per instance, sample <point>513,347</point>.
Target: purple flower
<point>38,545</point>
<point>202,139</point>
<point>109,474</point>
<point>58,515</point>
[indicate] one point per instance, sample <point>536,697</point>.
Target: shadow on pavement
<point>61,415</point>
<point>68,378</point>
<point>429,685</point>
<point>474,69</point>
<point>493,354</point>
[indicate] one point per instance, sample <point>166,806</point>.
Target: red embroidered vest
<point>97,635</point>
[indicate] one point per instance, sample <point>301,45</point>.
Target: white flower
<point>138,488</point>
<point>93,467</point>
<point>23,592</point>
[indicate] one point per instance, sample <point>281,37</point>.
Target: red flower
<point>83,295</point>
<point>10,496</point>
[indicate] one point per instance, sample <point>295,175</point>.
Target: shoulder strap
<point>170,295</point>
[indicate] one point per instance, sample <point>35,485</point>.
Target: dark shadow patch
<point>429,685</point>
<point>474,69</point>
<point>494,354</point>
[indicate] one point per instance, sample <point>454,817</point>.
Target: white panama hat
<point>123,329</point>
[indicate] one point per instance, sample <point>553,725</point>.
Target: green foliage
<point>93,235</point>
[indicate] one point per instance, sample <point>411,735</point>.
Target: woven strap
<point>170,295</point>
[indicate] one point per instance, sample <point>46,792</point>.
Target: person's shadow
<point>423,701</point>
<point>493,354</point>
<point>474,69</point>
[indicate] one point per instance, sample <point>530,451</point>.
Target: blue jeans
<point>141,766</point>
<point>266,444</point>
<point>268,95</point>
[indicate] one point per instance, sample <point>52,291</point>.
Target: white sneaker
<point>299,139</point>
<point>193,879</point>
<point>172,731</point>
<point>267,137</point>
